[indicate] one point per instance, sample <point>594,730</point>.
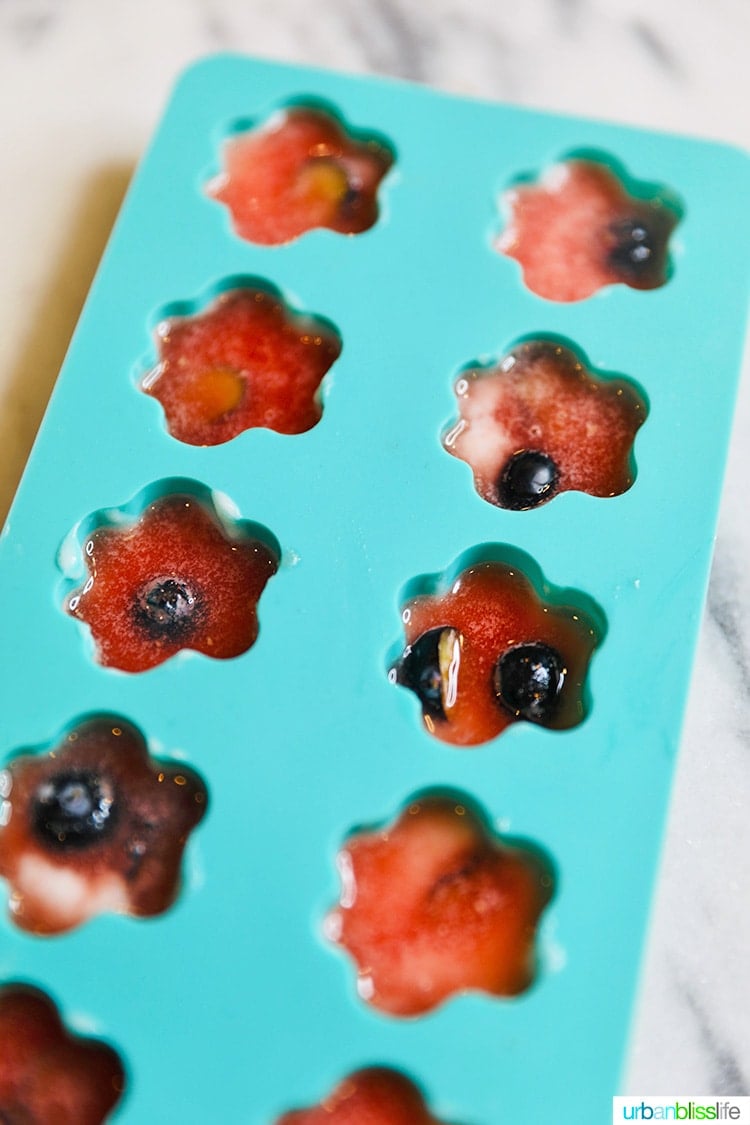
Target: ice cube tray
<point>232,1006</point>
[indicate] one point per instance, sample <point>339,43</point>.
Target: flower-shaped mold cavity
<point>586,224</point>
<point>93,824</point>
<point>301,168</point>
<point>539,422</point>
<point>436,904</point>
<point>242,360</point>
<point>372,1096</point>
<point>47,1075</point>
<point>484,648</point>
<point>170,572</point>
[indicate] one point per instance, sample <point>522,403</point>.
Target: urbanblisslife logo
<point>708,1107</point>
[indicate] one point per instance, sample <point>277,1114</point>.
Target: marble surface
<point>82,85</point>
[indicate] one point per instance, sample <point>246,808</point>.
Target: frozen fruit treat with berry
<point>175,578</point>
<point>579,229</point>
<point>485,650</point>
<point>245,361</point>
<point>299,170</point>
<point>539,422</point>
<point>373,1096</point>
<point>94,825</point>
<point>436,904</point>
<point>47,1075</point>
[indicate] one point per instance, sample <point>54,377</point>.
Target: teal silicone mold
<point>231,1007</point>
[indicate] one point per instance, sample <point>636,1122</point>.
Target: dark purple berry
<point>421,668</point>
<point>528,479</point>
<point>168,607</point>
<point>528,679</point>
<point>637,250</point>
<point>74,809</point>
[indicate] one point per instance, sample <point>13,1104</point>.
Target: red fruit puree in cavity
<point>47,1076</point>
<point>578,229</point>
<point>488,652</point>
<point>298,171</point>
<point>435,904</point>
<point>375,1096</point>
<point>94,825</point>
<point>539,411</point>
<point>175,579</point>
<point>245,361</point>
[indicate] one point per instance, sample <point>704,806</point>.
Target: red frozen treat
<point>175,579</point>
<point>539,423</point>
<point>578,229</point>
<point>436,904</point>
<point>489,651</point>
<point>47,1075</point>
<point>375,1096</point>
<point>298,171</point>
<point>246,361</point>
<point>94,825</point>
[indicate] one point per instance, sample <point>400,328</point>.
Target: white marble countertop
<point>82,85</point>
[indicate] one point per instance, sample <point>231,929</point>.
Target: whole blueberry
<point>528,679</point>
<point>528,479</point>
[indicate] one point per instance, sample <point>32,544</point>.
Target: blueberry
<point>528,479</point>
<point>528,679</point>
<point>352,202</point>
<point>168,607</point>
<point>424,667</point>
<point>74,809</point>
<point>637,249</point>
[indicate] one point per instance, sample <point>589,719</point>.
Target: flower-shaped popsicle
<point>487,651</point>
<point>94,825</point>
<point>297,171</point>
<point>245,361</point>
<point>47,1075</point>
<point>177,578</point>
<point>538,423</point>
<point>436,904</point>
<point>578,229</point>
<point>372,1096</point>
